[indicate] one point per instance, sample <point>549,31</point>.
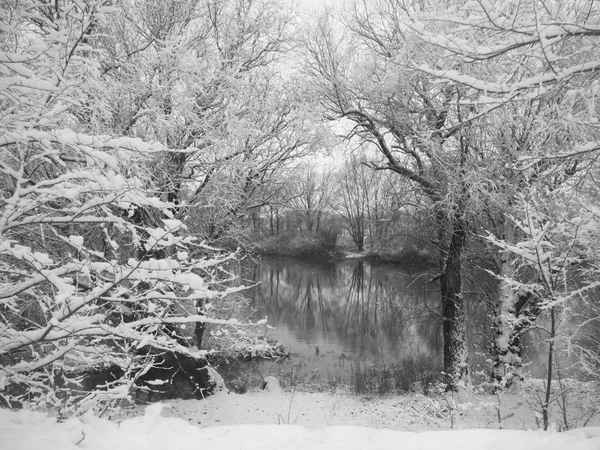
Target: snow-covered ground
<point>284,420</point>
<point>28,430</point>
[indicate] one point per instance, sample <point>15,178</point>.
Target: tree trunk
<point>507,342</point>
<point>456,355</point>
<point>359,235</point>
<point>515,312</point>
<point>200,326</point>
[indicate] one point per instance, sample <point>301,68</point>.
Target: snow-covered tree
<point>95,270</point>
<point>206,76</point>
<point>474,103</point>
<point>555,263</point>
<point>364,79</point>
<point>529,70</point>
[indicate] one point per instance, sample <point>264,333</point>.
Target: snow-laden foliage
<point>204,76</point>
<point>525,52</point>
<point>95,271</point>
<point>556,252</point>
<point>556,272</point>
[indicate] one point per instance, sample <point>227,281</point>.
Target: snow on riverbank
<point>409,412</point>
<point>27,430</point>
<point>276,419</point>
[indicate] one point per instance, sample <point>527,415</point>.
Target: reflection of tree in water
<point>384,319</point>
<point>387,318</point>
<point>291,292</point>
<point>374,312</point>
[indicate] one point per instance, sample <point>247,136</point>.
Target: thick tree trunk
<point>515,313</point>
<point>456,355</point>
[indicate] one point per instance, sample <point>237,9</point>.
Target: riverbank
<point>314,246</point>
<point>409,412</point>
<point>275,419</point>
<point>402,257</point>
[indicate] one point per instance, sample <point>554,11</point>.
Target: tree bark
<point>456,355</point>
<point>200,326</point>
<point>507,343</point>
<point>515,312</point>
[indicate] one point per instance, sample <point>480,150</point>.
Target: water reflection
<point>340,318</point>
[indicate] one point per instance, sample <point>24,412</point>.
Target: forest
<point>145,145</point>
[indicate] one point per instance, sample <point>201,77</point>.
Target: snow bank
<point>22,430</point>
